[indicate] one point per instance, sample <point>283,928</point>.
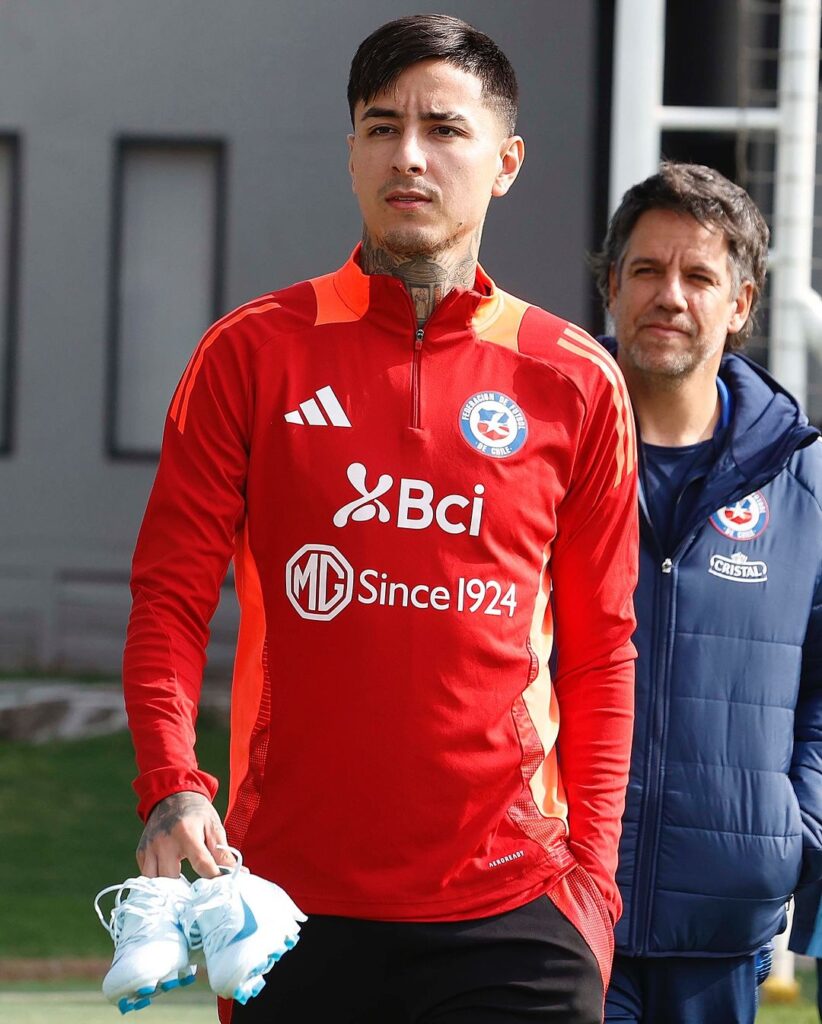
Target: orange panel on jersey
<point>342,297</point>
<point>248,664</point>
<point>498,319</point>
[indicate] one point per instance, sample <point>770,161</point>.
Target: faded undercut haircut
<point>387,52</point>
<point>712,200</point>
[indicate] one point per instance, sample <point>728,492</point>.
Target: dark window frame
<point>10,288</point>
<point>217,147</point>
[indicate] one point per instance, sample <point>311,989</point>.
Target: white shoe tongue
<point>205,885</point>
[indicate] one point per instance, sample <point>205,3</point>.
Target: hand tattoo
<point>168,813</point>
<point>428,278</point>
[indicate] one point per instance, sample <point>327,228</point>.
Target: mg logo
<point>319,581</point>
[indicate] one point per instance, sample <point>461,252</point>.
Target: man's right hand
<point>183,826</point>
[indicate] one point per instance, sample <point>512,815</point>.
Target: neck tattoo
<point>428,278</point>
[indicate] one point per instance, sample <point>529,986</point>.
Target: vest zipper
<point>415,379</point>
<point>647,846</point>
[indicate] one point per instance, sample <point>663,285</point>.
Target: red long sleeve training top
<point>412,516</point>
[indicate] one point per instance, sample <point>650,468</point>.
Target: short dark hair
<point>387,52</point>
<point>710,198</point>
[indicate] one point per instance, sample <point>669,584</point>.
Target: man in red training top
<point>420,478</point>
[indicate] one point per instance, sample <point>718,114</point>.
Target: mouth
<point>407,200</point>
<point>667,329</point>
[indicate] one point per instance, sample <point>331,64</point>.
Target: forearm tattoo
<point>167,813</point>
<point>428,278</point>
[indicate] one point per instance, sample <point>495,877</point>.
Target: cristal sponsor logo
<point>320,582</point>
<point>738,569</point>
<point>417,506</point>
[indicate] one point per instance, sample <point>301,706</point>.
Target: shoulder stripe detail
<point>580,344</point>
<point>332,306</point>
<point>179,403</point>
<point>501,325</point>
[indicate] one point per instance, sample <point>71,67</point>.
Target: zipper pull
<point>418,338</point>
<point>667,565</point>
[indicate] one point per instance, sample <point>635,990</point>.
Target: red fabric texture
<point>385,773</point>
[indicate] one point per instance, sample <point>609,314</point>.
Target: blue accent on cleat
<point>189,979</point>
<point>142,1003</point>
<point>257,987</point>
<point>124,1005</point>
<point>147,990</point>
<point>249,924</point>
<point>167,986</point>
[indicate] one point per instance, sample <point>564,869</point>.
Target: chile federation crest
<point>493,424</point>
<point>746,519</point>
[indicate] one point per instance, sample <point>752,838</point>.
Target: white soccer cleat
<point>244,924</point>
<point>151,952</point>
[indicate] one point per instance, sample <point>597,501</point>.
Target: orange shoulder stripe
<point>179,403</point>
<point>574,340</point>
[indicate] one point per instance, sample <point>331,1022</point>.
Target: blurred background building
<point>164,161</point>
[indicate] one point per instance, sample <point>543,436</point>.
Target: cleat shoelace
<point>142,909</point>
<point>143,901</point>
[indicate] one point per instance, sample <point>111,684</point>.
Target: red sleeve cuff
<point>156,785</point>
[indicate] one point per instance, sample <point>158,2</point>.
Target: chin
<point>412,242</point>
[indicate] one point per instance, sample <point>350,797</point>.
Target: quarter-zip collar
<point>384,300</point>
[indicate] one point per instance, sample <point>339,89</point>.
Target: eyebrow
<point>429,115</point>
<point>703,268</point>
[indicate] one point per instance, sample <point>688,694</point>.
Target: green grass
<point>89,1007</point>
<point>69,829</point>
<point>801,1012</point>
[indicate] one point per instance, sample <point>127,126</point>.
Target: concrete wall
<point>268,79</point>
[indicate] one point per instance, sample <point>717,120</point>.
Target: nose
<point>409,155</point>
<point>671,294</point>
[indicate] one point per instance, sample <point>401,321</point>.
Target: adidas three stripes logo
<point>319,411</point>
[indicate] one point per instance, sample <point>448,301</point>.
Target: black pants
<point>528,964</point>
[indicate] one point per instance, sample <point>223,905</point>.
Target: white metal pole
<point>795,170</point>
<point>639,56</point>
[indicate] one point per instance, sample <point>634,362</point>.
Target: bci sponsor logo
<point>417,506</point>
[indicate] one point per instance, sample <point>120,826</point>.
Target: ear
<point>741,308</point>
<point>511,155</point>
<point>613,285</point>
<point>350,141</point>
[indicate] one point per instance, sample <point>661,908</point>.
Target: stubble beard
<point>667,370</point>
<point>414,243</point>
